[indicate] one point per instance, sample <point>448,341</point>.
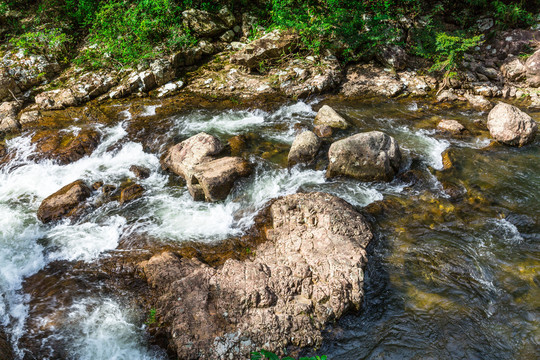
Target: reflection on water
<point>448,277</point>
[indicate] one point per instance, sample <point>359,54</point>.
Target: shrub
<point>51,42</point>
<point>449,50</point>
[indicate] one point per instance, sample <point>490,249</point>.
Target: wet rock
<point>3,151</point>
<point>309,272</point>
<point>370,156</point>
<point>131,193</point>
<point>478,102</point>
<point>370,80</point>
<point>322,131</point>
<point>203,23</point>
<point>97,185</point>
<point>64,147</point>
<point>140,171</point>
<point>532,66</point>
<point>329,117</point>
<point>514,70</point>
<point>451,126</point>
<point>184,156</point>
<point>65,203</point>
<point>447,96</point>
<point>213,180</point>
<point>509,125</point>
<point>6,352</point>
<point>8,116</point>
<point>56,99</point>
<point>448,159</point>
<point>270,46</point>
<point>304,148</point>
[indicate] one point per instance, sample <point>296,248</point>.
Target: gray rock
<point>308,273</point>
<point>366,79</point>
<point>447,96</point>
<point>451,126</point>
<point>478,101</point>
<point>203,23</point>
<point>394,56</point>
<point>270,46</point>
<point>8,86</point>
<point>65,203</point>
<point>514,70</point>
<point>304,148</point>
<point>56,99</point>
<point>29,117</point>
<point>509,125</point>
<point>228,36</point>
<point>533,69</point>
<point>226,15</point>
<point>249,22</point>
<point>329,117</point>
<point>8,116</point>
<point>370,156</point>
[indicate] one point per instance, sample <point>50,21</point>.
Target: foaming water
<point>103,329</point>
<point>278,126</point>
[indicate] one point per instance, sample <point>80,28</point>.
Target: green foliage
<point>511,14</point>
<point>264,354</point>
<point>450,49</point>
<point>52,42</point>
<point>151,317</point>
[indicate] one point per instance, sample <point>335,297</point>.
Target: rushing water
<point>447,278</point>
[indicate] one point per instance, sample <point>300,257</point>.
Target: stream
<point>453,272</point>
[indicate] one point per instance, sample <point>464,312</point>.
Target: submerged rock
<point>270,46</point>
<point>509,125</point>
<point>140,171</point>
<point>370,156</point>
<point>329,117</point>
<point>304,148</point>
<point>131,193</point>
<point>309,272</point>
<point>65,203</point>
<point>451,126</point>
<point>64,147</point>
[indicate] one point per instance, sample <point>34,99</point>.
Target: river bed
<point>453,272</point>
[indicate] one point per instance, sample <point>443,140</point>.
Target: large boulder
<point>65,203</point>
<point>509,125</point>
<point>184,156</point>
<point>270,46</point>
<point>304,148</point>
<point>328,116</point>
<point>370,156</point>
<point>207,178</point>
<point>532,66</point>
<point>213,180</point>
<point>308,273</point>
<point>203,23</point>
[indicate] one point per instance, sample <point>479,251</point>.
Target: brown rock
<point>479,102</point>
<point>64,203</point>
<point>509,125</point>
<point>370,156</point>
<point>451,126</point>
<point>140,171</point>
<point>304,148</point>
<point>203,23</point>
<point>307,274</point>
<point>56,99</point>
<point>6,352</point>
<point>8,86</point>
<point>182,157</point>
<point>237,144</point>
<point>270,46</point>
<point>322,131</point>
<point>66,148</point>
<point>329,117</point>
<point>130,193</point>
<point>366,79</point>
<point>514,70</point>
<point>213,180</point>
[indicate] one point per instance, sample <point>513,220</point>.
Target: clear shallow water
<point>438,275</point>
